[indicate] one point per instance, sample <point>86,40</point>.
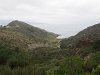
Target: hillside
<point>83,38</point>
<point>78,55</point>
<point>25,36</point>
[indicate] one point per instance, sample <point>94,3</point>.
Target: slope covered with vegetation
<point>36,34</point>
<point>25,36</point>
<point>88,35</point>
<point>88,39</point>
<point>78,55</point>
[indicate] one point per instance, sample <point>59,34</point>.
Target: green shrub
<point>5,54</point>
<point>19,60</point>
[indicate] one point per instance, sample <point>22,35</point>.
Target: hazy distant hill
<point>23,35</point>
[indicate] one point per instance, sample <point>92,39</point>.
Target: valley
<point>28,50</point>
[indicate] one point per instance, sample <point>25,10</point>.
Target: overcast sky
<point>65,17</point>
